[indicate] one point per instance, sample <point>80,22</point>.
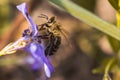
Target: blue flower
<point>34,47</point>
<point>23,8</point>
<point>37,52</point>
<point>31,42</point>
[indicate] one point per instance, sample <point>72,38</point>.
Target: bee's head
<point>51,20</point>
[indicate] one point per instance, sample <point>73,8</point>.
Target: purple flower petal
<point>47,71</point>
<point>23,8</point>
<point>37,52</point>
<point>36,49</point>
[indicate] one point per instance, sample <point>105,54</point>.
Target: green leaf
<point>114,43</point>
<point>114,3</point>
<point>88,17</point>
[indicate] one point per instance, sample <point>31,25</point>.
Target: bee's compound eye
<point>52,19</point>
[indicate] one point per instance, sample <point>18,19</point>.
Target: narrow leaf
<point>89,18</point>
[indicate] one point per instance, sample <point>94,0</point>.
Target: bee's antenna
<point>43,16</point>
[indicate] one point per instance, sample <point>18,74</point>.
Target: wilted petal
<point>20,43</point>
<point>13,47</point>
<point>23,8</point>
<point>37,52</point>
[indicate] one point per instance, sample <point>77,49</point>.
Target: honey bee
<point>53,32</point>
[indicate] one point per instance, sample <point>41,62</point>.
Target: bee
<point>53,32</point>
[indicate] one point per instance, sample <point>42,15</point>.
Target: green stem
<point>107,69</point>
<point>88,18</point>
<point>109,65</point>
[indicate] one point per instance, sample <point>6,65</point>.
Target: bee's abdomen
<point>54,46</point>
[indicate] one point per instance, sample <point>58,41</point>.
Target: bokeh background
<point>89,50</point>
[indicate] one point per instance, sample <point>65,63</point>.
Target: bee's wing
<point>65,33</point>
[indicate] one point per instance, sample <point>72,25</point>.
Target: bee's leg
<point>48,50</point>
<point>41,27</point>
<point>50,47</point>
<point>57,43</point>
<point>44,36</point>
